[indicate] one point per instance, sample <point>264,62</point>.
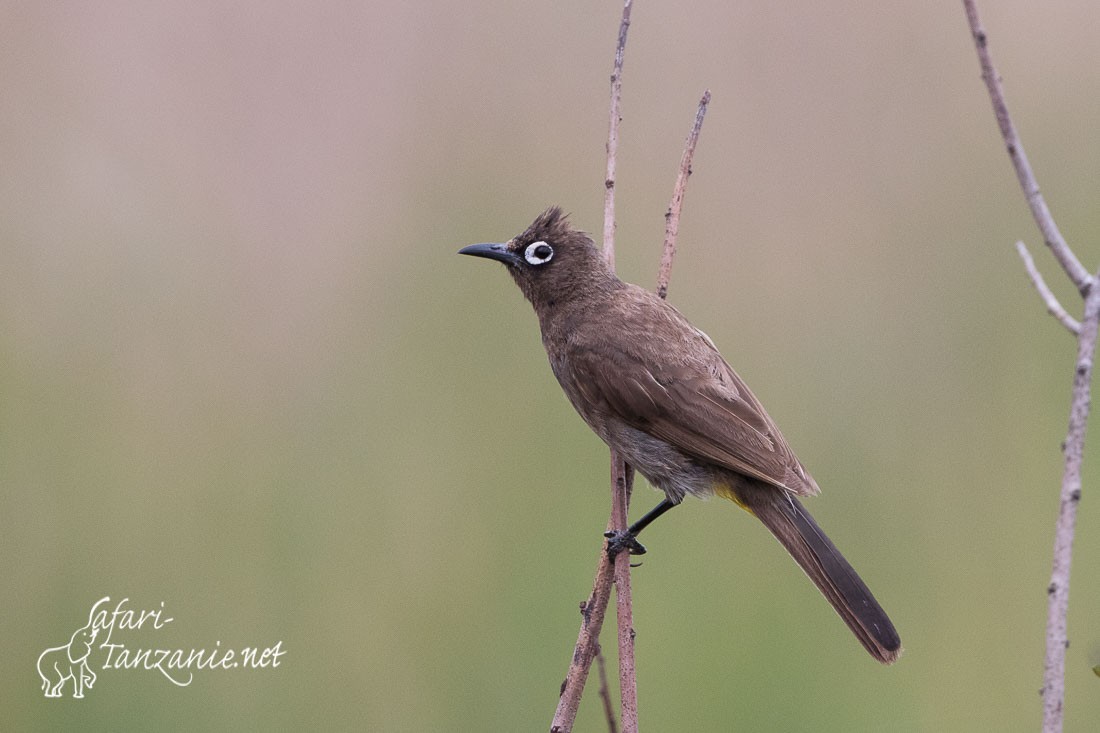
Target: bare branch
<point>622,483</point>
<point>592,615</point>
<point>1039,211</point>
<point>622,475</point>
<point>1054,665</point>
<point>594,610</point>
<point>1053,306</point>
<point>672,216</point>
<point>616,117</point>
<point>605,693</point>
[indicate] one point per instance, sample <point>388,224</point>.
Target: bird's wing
<point>702,407</point>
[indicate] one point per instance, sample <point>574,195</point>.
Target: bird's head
<point>550,261</point>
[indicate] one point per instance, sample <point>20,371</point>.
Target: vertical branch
<point>1054,665</point>
<point>672,216</point>
<point>616,116</point>
<point>621,483</point>
<point>1057,639</point>
<point>622,475</point>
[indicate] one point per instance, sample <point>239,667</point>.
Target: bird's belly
<point>665,466</point>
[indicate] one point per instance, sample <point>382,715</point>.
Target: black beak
<point>494,251</point>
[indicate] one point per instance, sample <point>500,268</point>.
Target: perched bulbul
<point>656,390</point>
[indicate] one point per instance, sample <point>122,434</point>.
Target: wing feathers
<point>690,398</point>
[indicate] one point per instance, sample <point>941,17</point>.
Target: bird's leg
<point>619,540</point>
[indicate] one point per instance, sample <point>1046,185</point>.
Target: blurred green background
<point>244,373</point>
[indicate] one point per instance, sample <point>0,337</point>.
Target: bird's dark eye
<point>538,253</point>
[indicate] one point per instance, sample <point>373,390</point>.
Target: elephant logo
<point>69,662</point>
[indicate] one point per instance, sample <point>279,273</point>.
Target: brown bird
<point>656,390</point>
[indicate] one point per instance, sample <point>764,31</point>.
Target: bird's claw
<point>619,540</point>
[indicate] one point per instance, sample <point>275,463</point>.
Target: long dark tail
<point>793,526</point>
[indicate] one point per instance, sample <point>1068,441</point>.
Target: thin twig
<point>605,693</point>
<point>1054,665</point>
<point>1039,211</point>
<point>596,607</point>
<point>672,215</point>
<point>1053,306</point>
<point>616,116</point>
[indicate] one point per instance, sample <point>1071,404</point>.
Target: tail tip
<point>888,654</point>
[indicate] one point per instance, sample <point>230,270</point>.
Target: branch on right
<point>1085,331</point>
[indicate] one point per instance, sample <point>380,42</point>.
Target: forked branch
<point>1057,639</point>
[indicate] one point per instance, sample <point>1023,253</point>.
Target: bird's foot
<point>619,540</point>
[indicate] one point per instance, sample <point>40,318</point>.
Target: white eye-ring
<point>538,253</point>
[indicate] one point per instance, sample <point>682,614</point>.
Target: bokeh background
<point>245,375</point>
